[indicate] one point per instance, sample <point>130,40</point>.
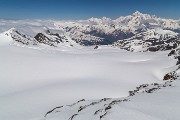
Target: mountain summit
<point>96,31</point>
<point>137,13</point>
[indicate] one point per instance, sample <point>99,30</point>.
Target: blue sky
<point>83,9</point>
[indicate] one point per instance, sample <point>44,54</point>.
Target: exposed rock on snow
<point>56,77</point>
<point>103,109</point>
<point>151,40</point>
<point>106,31</point>
<point>136,32</point>
<point>13,36</point>
<point>100,109</point>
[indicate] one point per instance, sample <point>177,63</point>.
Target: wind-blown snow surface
<point>33,81</point>
<point>159,105</point>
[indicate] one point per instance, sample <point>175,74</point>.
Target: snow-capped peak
<point>11,30</point>
<point>5,37</point>
<point>95,31</point>
<point>45,37</point>
<point>137,13</point>
<point>142,16</point>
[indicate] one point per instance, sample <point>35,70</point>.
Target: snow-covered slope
<point>159,104</point>
<point>42,73</point>
<point>34,81</point>
<point>140,20</point>
<point>150,40</point>
<point>12,36</point>
<point>55,39</point>
<point>106,31</point>
<point>95,31</point>
<point>5,38</point>
<point>46,37</point>
<point>147,102</point>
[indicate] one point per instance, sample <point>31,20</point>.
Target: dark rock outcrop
<point>41,38</point>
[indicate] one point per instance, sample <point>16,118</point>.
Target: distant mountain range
<point>136,32</point>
